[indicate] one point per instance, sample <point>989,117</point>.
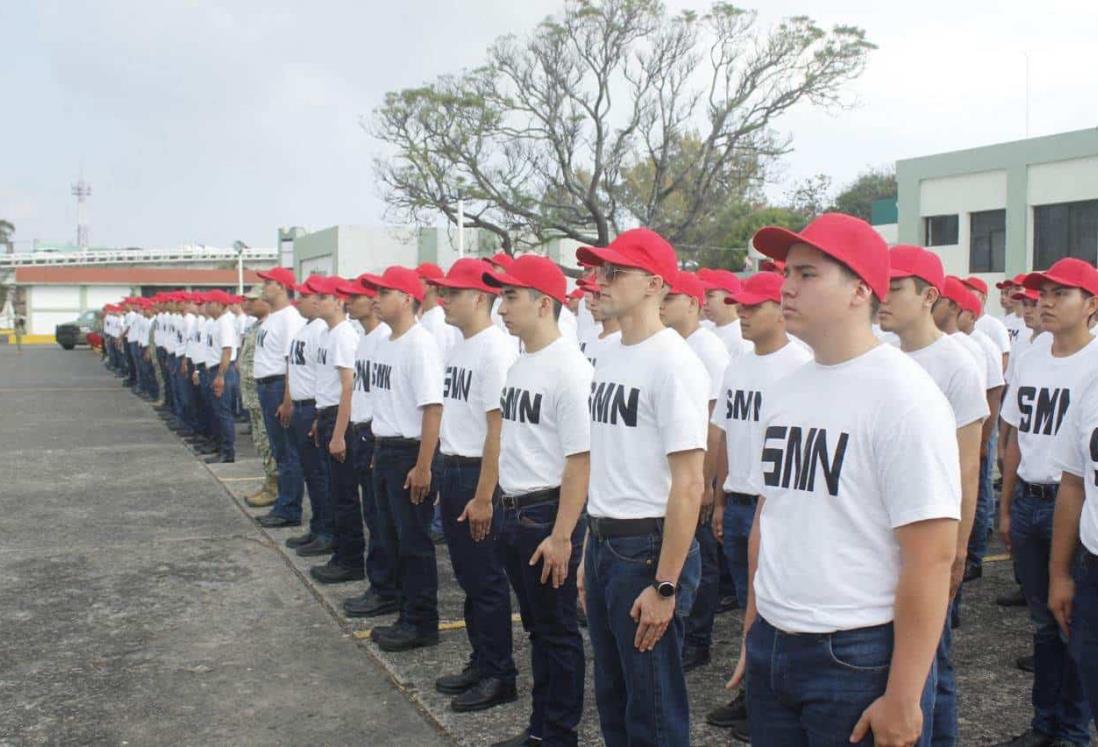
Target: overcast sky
<point>206,121</point>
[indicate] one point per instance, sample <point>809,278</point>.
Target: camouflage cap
<point>254,293</point>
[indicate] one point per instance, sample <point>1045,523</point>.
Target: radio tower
<point>81,191</point>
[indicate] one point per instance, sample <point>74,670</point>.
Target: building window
<point>987,241</point>
<point>1069,229</point>
<point>940,230</point>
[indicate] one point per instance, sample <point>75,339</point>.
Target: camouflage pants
<point>263,446</point>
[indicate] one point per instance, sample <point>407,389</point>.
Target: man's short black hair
<point>874,302</point>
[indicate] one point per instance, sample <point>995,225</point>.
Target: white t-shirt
<point>713,355</point>
<point>1016,328</point>
<point>996,330</point>
<point>567,325</point>
<point>993,357</point>
<point>647,400</point>
<point>958,376</point>
<point>1039,399</point>
<point>586,326</point>
<point>545,417</point>
<point>362,404</point>
<point>1025,343</point>
<point>303,360</point>
<point>406,377</point>
<point>196,341</point>
<point>446,336</point>
<point>745,387</point>
<point>732,337</point>
<point>850,453</point>
<point>475,370</point>
<point>1076,452</point>
<point>225,335</point>
<point>272,342</point>
<point>335,350</point>
<point>979,357</point>
<point>212,348</point>
<point>596,346</point>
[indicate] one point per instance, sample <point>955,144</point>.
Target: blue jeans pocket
<point>861,651</point>
<point>543,516</point>
<point>643,550</point>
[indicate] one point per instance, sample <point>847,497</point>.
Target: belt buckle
<point>508,502</point>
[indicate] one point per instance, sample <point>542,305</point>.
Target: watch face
<point>666,589</point>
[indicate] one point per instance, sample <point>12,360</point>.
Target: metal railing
<point>179,254</point>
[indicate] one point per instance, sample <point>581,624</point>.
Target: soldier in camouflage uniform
<point>257,307</point>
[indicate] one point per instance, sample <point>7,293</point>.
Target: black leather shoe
<point>369,605</point>
<point>973,572</point>
<point>381,631</point>
<point>404,638</point>
<point>317,547</point>
<point>694,657</point>
<point>741,731</point>
<point>271,521</point>
<point>299,540</point>
<point>1011,599</point>
<point>488,693</point>
<point>456,684</point>
<point>726,716</point>
<point>521,740</point>
<point>1026,664</point>
<point>726,604</point>
<point>216,458</point>
<point>329,573</point>
<point>1029,739</point>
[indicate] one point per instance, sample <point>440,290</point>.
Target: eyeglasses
<point>609,272</point>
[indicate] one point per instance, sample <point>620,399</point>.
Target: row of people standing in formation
<point>827,429</point>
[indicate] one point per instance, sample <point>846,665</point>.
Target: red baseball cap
<point>467,273</point>
<point>219,296</point>
<point>1009,282</point>
<point>757,289</point>
<point>641,248</point>
<point>304,289</point>
<point>906,261</point>
<point>722,280</point>
<point>396,278</point>
<point>355,288</point>
<point>325,285</point>
<point>531,271</point>
<point>284,276</point>
<point>502,259</point>
<point>576,294</point>
<point>588,286</point>
<point>842,237</point>
<point>1025,294</point>
<point>688,284</point>
<point>976,284</point>
<point>429,271</point>
<point>772,265</point>
<point>1068,272</point>
<point>956,291</point>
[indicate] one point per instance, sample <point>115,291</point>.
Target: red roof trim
<point>169,276</point>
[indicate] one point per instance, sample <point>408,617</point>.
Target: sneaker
<point>1011,599</point>
<point>1026,663</point>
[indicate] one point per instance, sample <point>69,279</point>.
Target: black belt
<point>396,442</point>
<point>741,499</point>
<point>326,412</point>
<point>453,460</point>
<point>358,428</point>
<point>270,379</point>
<point>519,502</point>
<point>603,528</point>
<point>1040,491</point>
<point>200,366</point>
<point>303,402</point>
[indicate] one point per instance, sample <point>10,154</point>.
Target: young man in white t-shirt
<point>406,390</point>
<point>648,411</point>
<point>917,283</point>
<point>1012,318</point>
<point>745,387</point>
<point>335,353</point>
<point>298,414</point>
<point>1073,562</point>
<point>852,575</point>
<point>991,326</point>
<point>1047,382</point>
<point>223,375</point>
<point>544,468</point>
<point>380,597</point>
<point>272,348</point>
<point>606,331</point>
<point>682,310</point>
<point>469,444</point>
<point>718,285</point>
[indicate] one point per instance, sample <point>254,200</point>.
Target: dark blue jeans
<point>1084,628</point>
<point>549,619</point>
<point>699,624</point>
<point>189,413</point>
<point>642,698</point>
<point>346,508</point>
<point>811,689</point>
<point>223,407</point>
<point>738,517</point>
<point>380,559</point>
<point>148,375</point>
<point>406,528</point>
<point>209,404</point>
<point>944,726</point>
<point>133,378</point>
<point>479,572</point>
<point>291,483</point>
<point>1059,706</point>
<point>316,471</point>
<point>171,383</point>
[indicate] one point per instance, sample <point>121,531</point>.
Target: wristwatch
<point>664,588</point>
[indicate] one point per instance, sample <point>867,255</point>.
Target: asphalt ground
<point>141,606</point>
